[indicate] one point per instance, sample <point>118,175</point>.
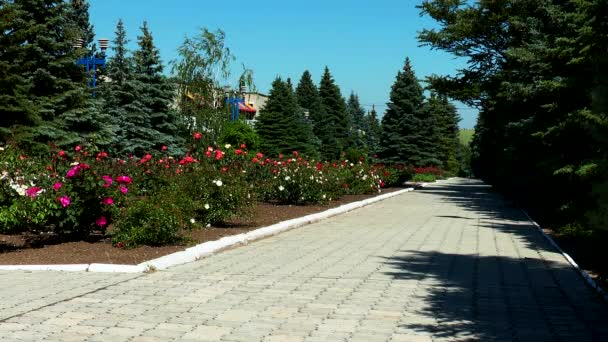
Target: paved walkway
<point>448,263</point>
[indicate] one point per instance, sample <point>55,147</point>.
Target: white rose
<point>281,188</point>
<point>227,146</point>
<point>193,221</point>
<point>207,206</point>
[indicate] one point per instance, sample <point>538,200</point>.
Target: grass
<point>466,135</point>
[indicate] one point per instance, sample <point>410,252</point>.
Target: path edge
<point>580,271</point>
<point>208,248</point>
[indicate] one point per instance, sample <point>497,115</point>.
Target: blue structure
<point>92,62</point>
<point>234,101</point>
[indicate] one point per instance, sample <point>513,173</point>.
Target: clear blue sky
<point>364,43</point>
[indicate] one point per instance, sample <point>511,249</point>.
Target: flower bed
<point>159,199</point>
<point>20,249</point>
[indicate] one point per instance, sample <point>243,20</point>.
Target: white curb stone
<point>582,272</point>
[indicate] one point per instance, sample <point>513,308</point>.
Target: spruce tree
<point>280,127</point>
<point>444,144</point>
<point>335,125</point>
<point>402,123</point>
<point>308,98</point>
<point>44,95</point>
<point>151,122</point>
<point>357,113</point>
<point>373,131</point>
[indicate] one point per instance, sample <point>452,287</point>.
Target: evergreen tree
<point>79,15</point>
<point>405,126</point>
<point>357,114</point>
<point>309,100</point>
<point>373,131</point>
<point>43,95</point>
<point>445,141</point>
<point>537,73</point>
<point>149,121</point>
<point>279,126</point>
<point>335,125</point>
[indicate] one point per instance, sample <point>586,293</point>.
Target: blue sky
<point>364,43</point>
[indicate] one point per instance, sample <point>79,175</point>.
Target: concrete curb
<point>582,272</point>
<point>208,248</point>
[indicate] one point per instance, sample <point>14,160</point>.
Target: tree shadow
<point>490,209</point>
<point>466,297</point>
<point>486,296</point>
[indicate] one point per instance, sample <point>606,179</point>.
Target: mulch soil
<point>46,250</point>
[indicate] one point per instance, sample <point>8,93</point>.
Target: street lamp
<point>91,62</point>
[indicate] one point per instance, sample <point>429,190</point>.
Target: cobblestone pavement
<point>451,262</point>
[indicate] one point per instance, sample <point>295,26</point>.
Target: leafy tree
<point>406,127</point>
<point>200,71</point>
<point>280,127</point>
<point>335,126</point>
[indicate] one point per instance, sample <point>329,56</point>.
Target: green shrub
<point>147,223</point>
<point>423,177</point>
<point>237,133</point>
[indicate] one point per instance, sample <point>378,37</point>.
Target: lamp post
<point>233,99</point>
<point>91,62</point>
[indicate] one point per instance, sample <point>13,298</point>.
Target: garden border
<point>210,247</point>
<point>581,272</point>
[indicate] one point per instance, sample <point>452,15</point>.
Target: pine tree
<point>280,127</point>
<point>357,113</point>
<point>149,122</point>
<point>403,123</point>
<point>335,125</point>
<point>309,100</point>
<point>445,141</point>
<point>44,96</point>
<point>373,131</point>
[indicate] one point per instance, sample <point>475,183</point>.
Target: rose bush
<point>153,199</point>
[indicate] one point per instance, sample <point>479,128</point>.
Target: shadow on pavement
<point>473,298</point>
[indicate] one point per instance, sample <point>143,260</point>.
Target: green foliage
<point>334,127</point>
<point>239,132</point>
<point>408,130</point>
<point>148,223</point>
<point>373,132</point>
<point>422,177</point>
<point>357,113</point>
<point>535,71</point>
<point>202,68</point>
<point>43,96</point>
<point>281,127</point>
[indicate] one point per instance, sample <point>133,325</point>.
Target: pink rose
<point>123,189</point>
<point>108,201</point>
<point>108,181</point>
<point>124,179</point>
<point>57,186</point>
<point>33,191</point>
<point>64,200</point>
<point>102,221</point>
<point>77,148</point>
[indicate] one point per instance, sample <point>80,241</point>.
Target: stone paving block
<point>449,262</point>
<point>207,333</point>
